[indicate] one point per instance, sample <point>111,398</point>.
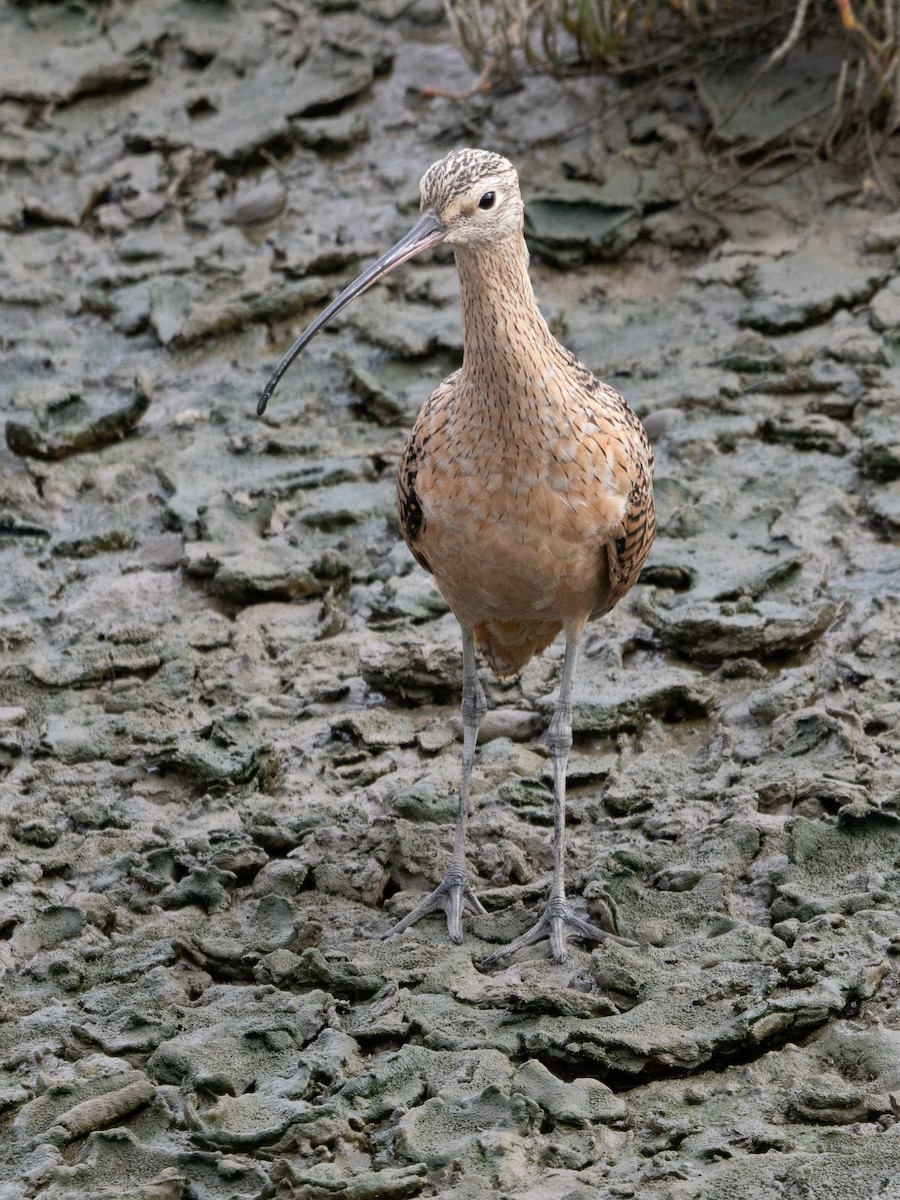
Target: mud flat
<point>228,697</point>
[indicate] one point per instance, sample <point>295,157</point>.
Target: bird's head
<point>474,195</point>
<point>469,197</point>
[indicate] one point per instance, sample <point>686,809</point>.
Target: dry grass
<point>503,39</point>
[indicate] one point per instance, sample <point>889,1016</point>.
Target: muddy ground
<point>228,697</point>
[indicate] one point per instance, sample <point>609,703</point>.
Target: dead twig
<point>793,36</point>
<point>884,184</point>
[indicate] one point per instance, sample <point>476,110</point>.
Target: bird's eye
<point>487,200</point>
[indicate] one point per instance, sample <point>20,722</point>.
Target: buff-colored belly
<point>523,550</point>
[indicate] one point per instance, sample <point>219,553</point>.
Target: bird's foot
<point>452,894</point>
<point>554,920</point>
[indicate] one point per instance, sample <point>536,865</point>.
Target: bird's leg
<point>454,890</point>
<point>557,914</point>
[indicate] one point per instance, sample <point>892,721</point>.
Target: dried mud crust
<point>228,698</point>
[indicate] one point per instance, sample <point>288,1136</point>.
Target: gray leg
<point>454,890</point>
<point>557,914</point>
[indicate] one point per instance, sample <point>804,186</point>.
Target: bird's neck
<point>507,345</point>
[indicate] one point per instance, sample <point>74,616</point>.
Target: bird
<point>525,488</point>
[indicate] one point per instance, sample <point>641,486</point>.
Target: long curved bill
<point>426,232</point>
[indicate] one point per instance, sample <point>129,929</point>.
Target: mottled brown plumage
<point>525,487</point>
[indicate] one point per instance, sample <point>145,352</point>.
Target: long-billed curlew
<point>524,488</point>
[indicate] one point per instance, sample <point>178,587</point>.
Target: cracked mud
<point>228,697</point>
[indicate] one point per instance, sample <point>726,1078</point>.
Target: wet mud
<point>229,698</point>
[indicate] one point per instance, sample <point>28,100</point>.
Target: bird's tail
<point>508,646</point>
